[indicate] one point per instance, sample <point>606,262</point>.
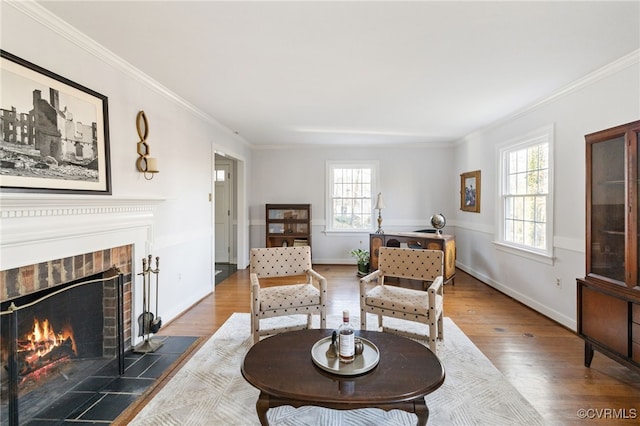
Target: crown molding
<point>51,21</point>
<point>608,70</point>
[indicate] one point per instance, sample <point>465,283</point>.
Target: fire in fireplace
<point>43,346</point>
<point>51,340</point>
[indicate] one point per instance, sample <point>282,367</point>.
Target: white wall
<point>181,137</point>
<point>607,98</point>
<point>418,182</point>
<point>414,182</point>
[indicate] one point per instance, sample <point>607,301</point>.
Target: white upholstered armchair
<point>306,296</point>
<point>424,307</point>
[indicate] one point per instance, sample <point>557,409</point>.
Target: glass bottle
<point>346,340</point>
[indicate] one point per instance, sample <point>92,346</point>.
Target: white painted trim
<point>571,244</point>
<point>375,189</point>
<point>559,242</point>
<point>544,310</point>
<point>545,134</point>
<point>522,252</point>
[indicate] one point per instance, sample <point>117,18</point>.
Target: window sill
<point>523,252</point>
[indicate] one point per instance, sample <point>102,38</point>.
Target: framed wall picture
<point>54,133</point>
<point>470,191</point>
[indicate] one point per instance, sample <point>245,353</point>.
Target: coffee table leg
<point>262,405</point>
<point>422,411</point>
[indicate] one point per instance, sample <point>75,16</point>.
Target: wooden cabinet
<point>446,243</point>
<point>288,225</point>
<point>609,295</point>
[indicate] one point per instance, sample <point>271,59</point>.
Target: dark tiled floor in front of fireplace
<point>101,398</point>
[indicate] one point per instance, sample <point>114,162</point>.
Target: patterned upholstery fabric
<point>400,299</point>
<point>280,261</point>
<point>307,297</point>
<point>404,303</point>
<point>417,264</point>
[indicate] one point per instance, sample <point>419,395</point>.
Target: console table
<point>446,243</point>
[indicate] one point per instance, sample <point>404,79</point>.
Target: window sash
<point>351,189</point>
<point>526,193</point>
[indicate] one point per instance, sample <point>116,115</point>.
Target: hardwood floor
<point>542,359</point>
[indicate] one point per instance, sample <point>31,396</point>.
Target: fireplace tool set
<point>148,323</point>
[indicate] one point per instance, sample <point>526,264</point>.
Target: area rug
<point>210,390</point>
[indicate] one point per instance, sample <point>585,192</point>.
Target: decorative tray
<point>328,361</point>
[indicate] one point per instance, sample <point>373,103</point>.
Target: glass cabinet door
<point>636,238</point>
<point>608,194</point>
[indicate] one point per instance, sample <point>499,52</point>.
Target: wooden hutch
<point>609,294</point>
<point>288,225</point>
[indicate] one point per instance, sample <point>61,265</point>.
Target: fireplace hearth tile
<point>67,404</point>
<point>175,345</point>
<point>109,407</point>
<point>159,367</point>
<point>102,397</point>
<point>141,365</point>
<point>133,385</point>
<point>93,384</point>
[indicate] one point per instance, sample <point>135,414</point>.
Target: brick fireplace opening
<point>73,318</point>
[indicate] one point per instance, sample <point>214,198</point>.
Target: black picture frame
<point>59,145</point>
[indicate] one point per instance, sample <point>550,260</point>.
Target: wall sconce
<point>379,206</point>
<point>145,164</point>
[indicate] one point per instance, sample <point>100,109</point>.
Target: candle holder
<point>145,164</point>
<point>379,206</point>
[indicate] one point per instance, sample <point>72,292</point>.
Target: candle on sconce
<point>152,165</point>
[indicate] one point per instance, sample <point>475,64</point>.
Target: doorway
<point>225,208</point>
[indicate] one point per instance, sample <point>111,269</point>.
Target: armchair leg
<point>433,336</point>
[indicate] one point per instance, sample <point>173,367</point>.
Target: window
<point>350,189</point>
<point>220,176</point>
<point>527,193</point>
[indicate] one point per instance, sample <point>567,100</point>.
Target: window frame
<point>355,164</point>
<point>534,138</point>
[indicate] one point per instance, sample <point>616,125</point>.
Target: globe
<point>438,221</point>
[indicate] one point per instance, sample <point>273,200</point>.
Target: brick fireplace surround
<point>21,281</point>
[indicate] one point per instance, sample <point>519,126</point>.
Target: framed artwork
<point>470,191</point>
<point>54,133</point>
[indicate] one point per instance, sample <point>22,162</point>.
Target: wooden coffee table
<point>281,367</point>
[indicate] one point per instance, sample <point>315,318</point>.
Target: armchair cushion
<point>288,296</point>
<point>400,299</point>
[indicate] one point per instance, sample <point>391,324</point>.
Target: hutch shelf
<point>288,225</point>
<point>609,294</point>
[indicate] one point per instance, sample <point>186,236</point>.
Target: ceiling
<point>357,72</point>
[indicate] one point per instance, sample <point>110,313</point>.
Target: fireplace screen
<point>51,340</point>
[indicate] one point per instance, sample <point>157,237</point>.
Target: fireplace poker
<point>146,321</point>
<point>157,322</point>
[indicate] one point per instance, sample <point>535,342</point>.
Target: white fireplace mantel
<point>39,228</point>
